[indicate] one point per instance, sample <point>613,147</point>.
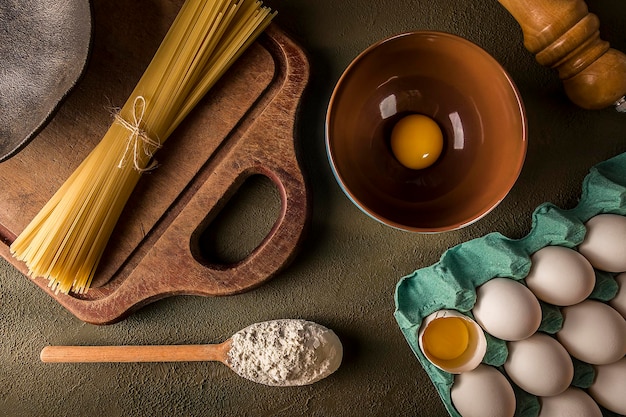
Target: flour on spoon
<point>285,352</point>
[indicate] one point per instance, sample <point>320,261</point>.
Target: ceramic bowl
<point>37,72</point>
<point>472,99</point>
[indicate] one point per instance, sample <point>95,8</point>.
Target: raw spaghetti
<point>65,241</point>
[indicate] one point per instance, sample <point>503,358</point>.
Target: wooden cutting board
<point>244,127</point>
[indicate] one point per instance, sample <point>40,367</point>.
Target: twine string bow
<point>138,139</point>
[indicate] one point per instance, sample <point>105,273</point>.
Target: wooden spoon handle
<point>563,35</point>
<point>156,353</point>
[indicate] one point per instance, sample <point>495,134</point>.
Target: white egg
<point>619,301</point>
<point>483,392</point>
<point>609,386</point>
<point>539,365</point>
<point>573,402</point>
<point>605,242</point>
<point>560,276</point>
<point>507,309</point>
<point>593,332</point>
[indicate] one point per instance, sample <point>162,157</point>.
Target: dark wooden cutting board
<point>244,127</point>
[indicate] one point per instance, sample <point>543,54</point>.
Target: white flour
<point>285,352</point>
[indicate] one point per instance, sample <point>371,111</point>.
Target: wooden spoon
<point>277,353</point>
<point>153,353</point>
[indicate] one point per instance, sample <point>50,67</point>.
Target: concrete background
<point>346,273</point>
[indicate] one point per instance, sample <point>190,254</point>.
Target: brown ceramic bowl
<point>468,94</point>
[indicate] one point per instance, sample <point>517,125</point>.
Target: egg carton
<point>451,283</point>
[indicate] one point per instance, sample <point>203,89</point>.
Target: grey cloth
<point>44,47</point>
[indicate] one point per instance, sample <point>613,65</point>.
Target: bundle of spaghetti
<point>65,241</point>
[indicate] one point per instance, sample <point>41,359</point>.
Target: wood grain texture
<point>244,127</point>
<point>128,353</point>
<point>563,35</point>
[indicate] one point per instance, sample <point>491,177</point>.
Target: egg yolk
<point>446,338</point>
<point>416,141</point>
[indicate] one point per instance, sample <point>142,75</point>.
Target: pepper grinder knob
<point>563,35</point>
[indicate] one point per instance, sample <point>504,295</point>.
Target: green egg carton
<point>451,283</point>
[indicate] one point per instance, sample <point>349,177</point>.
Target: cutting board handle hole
<point>242,224</point>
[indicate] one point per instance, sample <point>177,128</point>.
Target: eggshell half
<point>473,353</point>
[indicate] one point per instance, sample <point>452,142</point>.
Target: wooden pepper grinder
<point>563,35</point>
